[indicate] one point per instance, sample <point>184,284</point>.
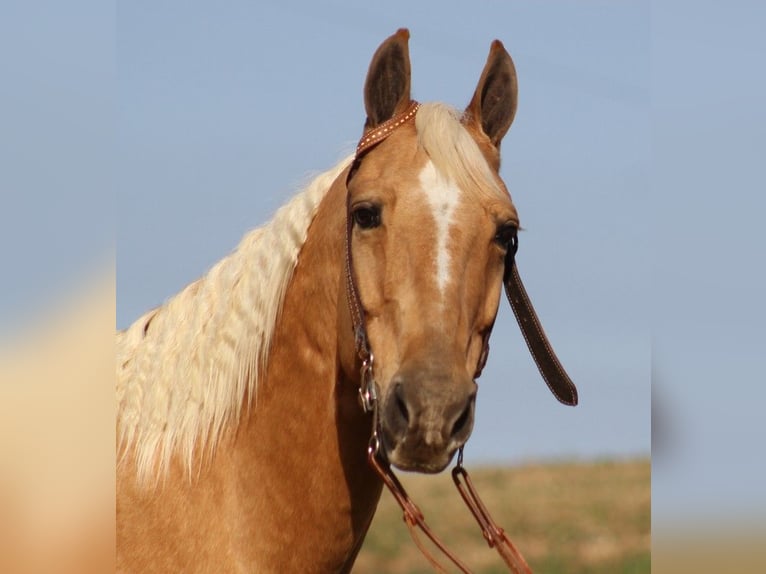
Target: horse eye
<point>506,235</point>
<point>367,216</point>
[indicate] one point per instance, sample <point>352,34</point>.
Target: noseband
<point>550,368</point>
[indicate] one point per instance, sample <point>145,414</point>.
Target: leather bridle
<point>548,364</point>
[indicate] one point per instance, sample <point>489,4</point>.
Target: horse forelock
<point>186,369</point>
<point>455,153</point>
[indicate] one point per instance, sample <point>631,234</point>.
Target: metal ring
<point>373,446</point>
<point>368,394</point>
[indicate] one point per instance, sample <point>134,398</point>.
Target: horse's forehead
<point>442,197</point>
<point>442,215</point>
<point>425,187</point>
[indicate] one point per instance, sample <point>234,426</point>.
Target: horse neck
<point>307,434</point>
<point>303,367</point>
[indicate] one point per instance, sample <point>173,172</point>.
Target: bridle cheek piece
<point>548,364</point>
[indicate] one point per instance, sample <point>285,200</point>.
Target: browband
<point>377,134</point>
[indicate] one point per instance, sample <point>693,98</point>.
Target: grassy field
<point>564,518</point>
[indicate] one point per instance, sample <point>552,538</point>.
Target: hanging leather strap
<point>412,515</point>
<point>493,534</point>
<point>548,364</point>
<point>415,521</point>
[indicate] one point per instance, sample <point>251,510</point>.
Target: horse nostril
<point>463,419</point>
<point>400,404</point>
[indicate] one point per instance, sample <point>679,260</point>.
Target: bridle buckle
<point>368,395</point>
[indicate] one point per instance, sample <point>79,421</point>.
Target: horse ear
<point>493,105</point>
<point>387,88</point>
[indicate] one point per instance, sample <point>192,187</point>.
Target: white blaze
<point>443,197</point>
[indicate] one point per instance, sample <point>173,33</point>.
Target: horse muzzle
<point>424,419</point>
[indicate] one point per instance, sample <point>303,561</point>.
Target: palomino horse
<point>242,444</point>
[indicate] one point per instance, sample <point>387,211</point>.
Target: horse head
<point>430,226</point>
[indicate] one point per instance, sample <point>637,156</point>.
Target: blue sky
<point>163,131</point>
<point>57,132</point>
<point>707,203</point>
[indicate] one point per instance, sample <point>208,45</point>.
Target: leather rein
<point>548,364</point>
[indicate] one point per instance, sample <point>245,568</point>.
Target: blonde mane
<point>186,369</point>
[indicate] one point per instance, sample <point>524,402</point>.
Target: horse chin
<point>435,463</point>
<point>422,467</point>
